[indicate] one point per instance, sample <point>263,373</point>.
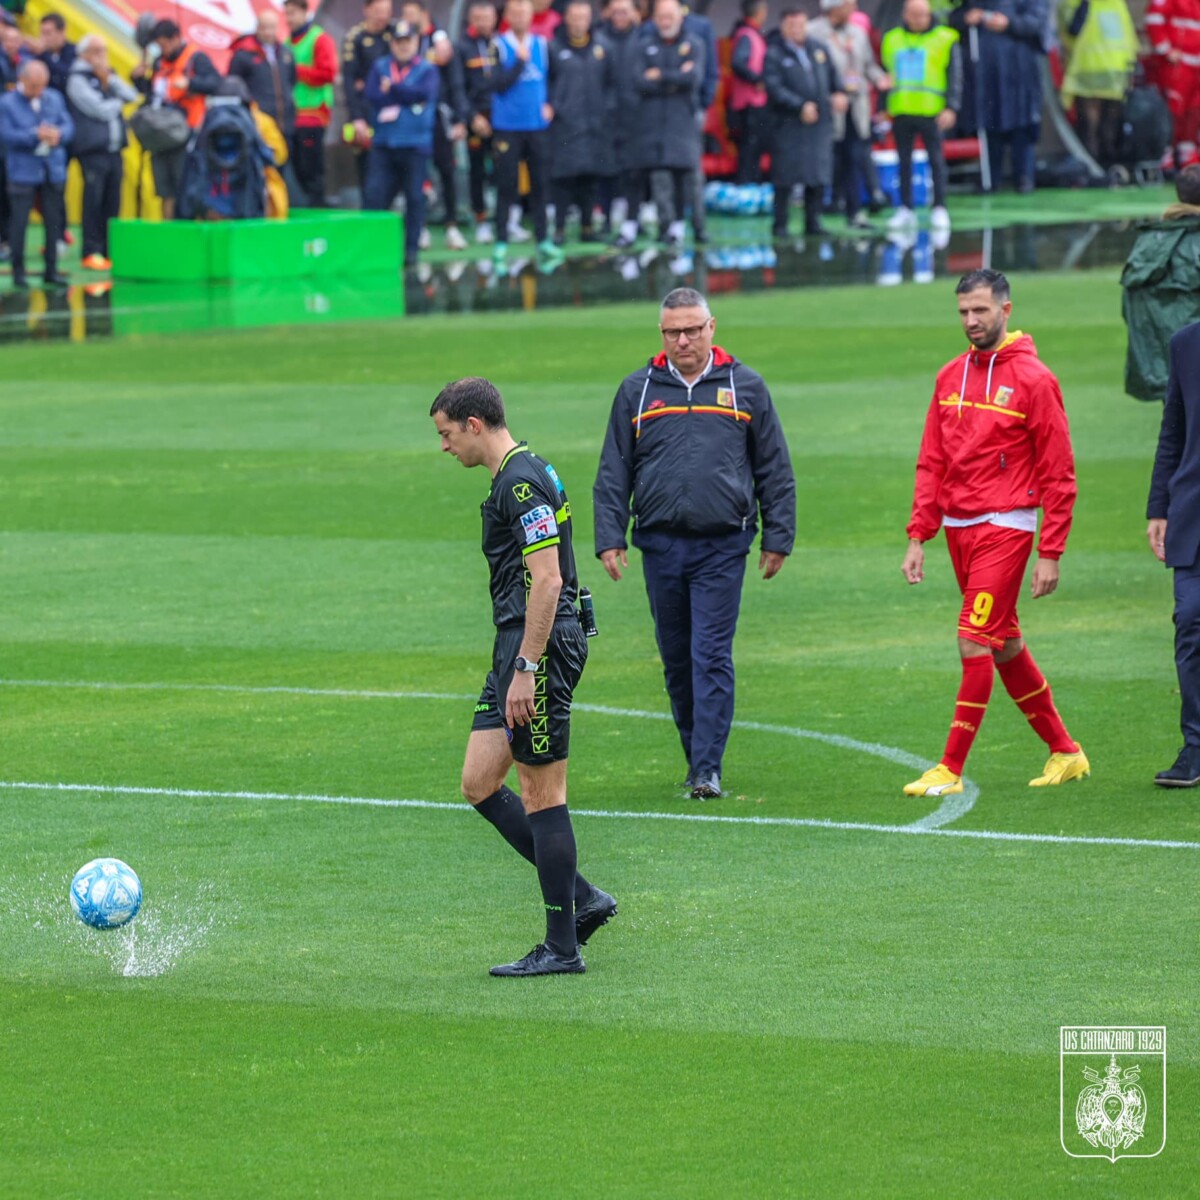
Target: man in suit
<point>1173,511</point>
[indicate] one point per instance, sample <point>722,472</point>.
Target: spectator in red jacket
<point>316,57</point>
<point>996,449</point>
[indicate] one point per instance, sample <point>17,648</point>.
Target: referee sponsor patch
<point>539,524</point>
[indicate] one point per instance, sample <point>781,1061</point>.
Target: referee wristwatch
<point>525,665</point>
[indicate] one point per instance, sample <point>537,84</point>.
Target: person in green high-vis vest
<point>924,61</point>
<point>316,57</point>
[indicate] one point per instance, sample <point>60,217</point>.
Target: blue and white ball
<point>106,893</point>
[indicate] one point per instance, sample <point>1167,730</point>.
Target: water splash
<point>168,928</point>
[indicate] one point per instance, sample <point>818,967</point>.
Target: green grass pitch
<point>779,1010</point>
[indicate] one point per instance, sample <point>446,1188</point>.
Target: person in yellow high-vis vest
<point>1101,47</point>
<point>924,62</point>
<point>316,57</point>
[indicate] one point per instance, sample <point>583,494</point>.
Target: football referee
<point>524,712</point>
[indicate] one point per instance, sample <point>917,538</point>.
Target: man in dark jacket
<point>582,94</point>
<point>619,33</point>
<point>483,76</point>
<point>269,72</point>
<point>57,53</point>
<point>668,70</point>
<point>35,130</point>
<point>695,443</point>
<point>1173,511</point>
<point>1003,89</point>
<point>804,92</point>
<point>362,47</point>
<point>96,98</point>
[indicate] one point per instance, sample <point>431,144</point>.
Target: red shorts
<point>989,562</point>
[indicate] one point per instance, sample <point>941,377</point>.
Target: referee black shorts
<point>547,738</point>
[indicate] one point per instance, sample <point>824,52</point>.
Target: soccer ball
<point>106,893</point>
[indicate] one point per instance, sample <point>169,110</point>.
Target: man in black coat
<point>269,72</point>
<point>57,53</point>
<point>1173,510</point>
<point>620,33</point>
<point>582,96</point>
<point>668,70</point>
<point>483,76</point>
<point>804,91</point>
<point>363,45</point>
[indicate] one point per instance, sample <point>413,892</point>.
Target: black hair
<point>55,19</point>
<point>793,10</point>
<point>985,277</point>
<point>166,28</point>
<point>750,7</point>
<point>1187,185</point>
<point>471,397</point>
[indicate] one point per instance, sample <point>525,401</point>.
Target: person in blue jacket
<point>402,92</point>
<point>35,130</point>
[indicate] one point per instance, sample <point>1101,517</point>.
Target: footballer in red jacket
<point>996,449</point>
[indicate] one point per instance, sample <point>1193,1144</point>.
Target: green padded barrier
<point>312,242</point>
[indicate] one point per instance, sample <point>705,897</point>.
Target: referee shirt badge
<point>523,491</point>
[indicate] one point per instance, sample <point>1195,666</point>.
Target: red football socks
<point>1031,694</point>
<point>973,695</point>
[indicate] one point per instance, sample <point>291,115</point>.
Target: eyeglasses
<point>692,332</point>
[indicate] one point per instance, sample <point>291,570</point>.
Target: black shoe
<point>702,238</point>
<point>814,229</point>
<point>1185,772</point>
<point>19,282</point>
<point>878,202</point>
<point>858,221</point>
<point>541,960</point>
<point>560,239</point>
<point>52,279</point>
<point>706,785</point>
<point>599,909</point>
<point>779,235</point>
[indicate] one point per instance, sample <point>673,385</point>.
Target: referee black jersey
<point>526,510</point>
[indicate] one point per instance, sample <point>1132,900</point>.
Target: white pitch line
<point>950,810</point>
<point>986,835</point>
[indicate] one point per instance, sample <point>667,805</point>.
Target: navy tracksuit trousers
<point>1187,649</point>
<point>695,590</point>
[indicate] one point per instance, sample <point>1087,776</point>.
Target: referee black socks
<point>554,852</point>
<point>506,812</point>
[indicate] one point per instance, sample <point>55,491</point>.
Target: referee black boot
<point>598,909</point>
<point>541,960</point>
<point>1186,771</point>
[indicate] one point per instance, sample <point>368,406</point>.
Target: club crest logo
<point>655,404</point>
<point>1113,1101</point>
<point>1003,396</point>
<point>724,398</point>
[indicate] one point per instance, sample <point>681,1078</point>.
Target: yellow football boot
<point>937,781</point>
<point>1062,768</point>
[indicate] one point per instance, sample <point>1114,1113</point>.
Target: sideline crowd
<point>564,113</point>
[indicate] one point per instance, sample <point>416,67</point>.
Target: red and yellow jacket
<point>996,439</point>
